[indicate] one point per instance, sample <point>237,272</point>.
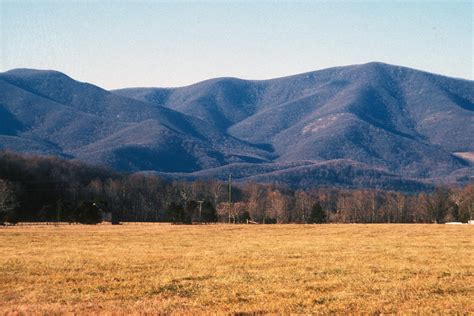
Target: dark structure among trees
<point>50,189</point>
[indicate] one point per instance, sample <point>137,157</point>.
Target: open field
<point>227,268</point>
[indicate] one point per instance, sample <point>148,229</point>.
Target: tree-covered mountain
<point>372,125</point>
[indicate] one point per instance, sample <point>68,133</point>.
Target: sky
<point>117,44</point>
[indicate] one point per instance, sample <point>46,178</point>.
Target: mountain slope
<point>65,117</point>
<point>381,121</point>
<point>307,174</point>
<point>407,121</point>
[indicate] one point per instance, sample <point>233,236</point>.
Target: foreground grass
<point>226,268</point>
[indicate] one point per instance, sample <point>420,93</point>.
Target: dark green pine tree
<point>88,213</point>
<point>209,214</point>
<point>317,215</point>
<point>176,212</point>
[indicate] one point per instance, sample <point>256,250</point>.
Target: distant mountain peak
<point>28,72</point>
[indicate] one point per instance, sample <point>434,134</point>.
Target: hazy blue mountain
<point>372,125</point>
<point>48,112</point>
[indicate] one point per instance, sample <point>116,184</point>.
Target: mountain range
<point>369,125</point>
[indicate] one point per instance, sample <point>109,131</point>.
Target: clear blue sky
<point>151,43</point>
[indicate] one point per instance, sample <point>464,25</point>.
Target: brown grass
<point>227,268</point>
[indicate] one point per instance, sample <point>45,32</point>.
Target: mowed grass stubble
<point>237,268</point>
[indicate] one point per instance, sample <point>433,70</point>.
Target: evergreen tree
<point>176,212</point>
<point>209,214</point>
<point>88,213</point>
<point>8,203</point>
<point>439,204</point>
<point>317,215</point>
<point>244,217</point>
<point>190,210</point>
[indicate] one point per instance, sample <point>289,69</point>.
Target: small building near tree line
<point>106,216</point>
<point>109,217</point>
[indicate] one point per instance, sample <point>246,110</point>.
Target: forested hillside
<point>37,188</point>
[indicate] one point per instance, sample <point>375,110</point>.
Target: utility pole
<point>304,211</point>
<point>230,194</point>
<point>200,210</point>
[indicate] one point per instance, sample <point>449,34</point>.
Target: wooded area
<point>38,188</point>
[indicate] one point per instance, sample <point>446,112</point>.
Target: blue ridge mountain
<point>370,125</point>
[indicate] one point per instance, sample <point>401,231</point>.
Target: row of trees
<point>50,189</point>
<point>265,202</point>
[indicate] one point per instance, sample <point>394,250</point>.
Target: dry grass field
<point>230,269</point>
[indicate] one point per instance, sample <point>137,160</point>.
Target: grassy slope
<point>223,268</point>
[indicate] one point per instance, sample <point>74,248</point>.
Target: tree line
<point>38,188</point>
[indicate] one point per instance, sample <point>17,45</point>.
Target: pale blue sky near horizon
<point>117,44</point>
